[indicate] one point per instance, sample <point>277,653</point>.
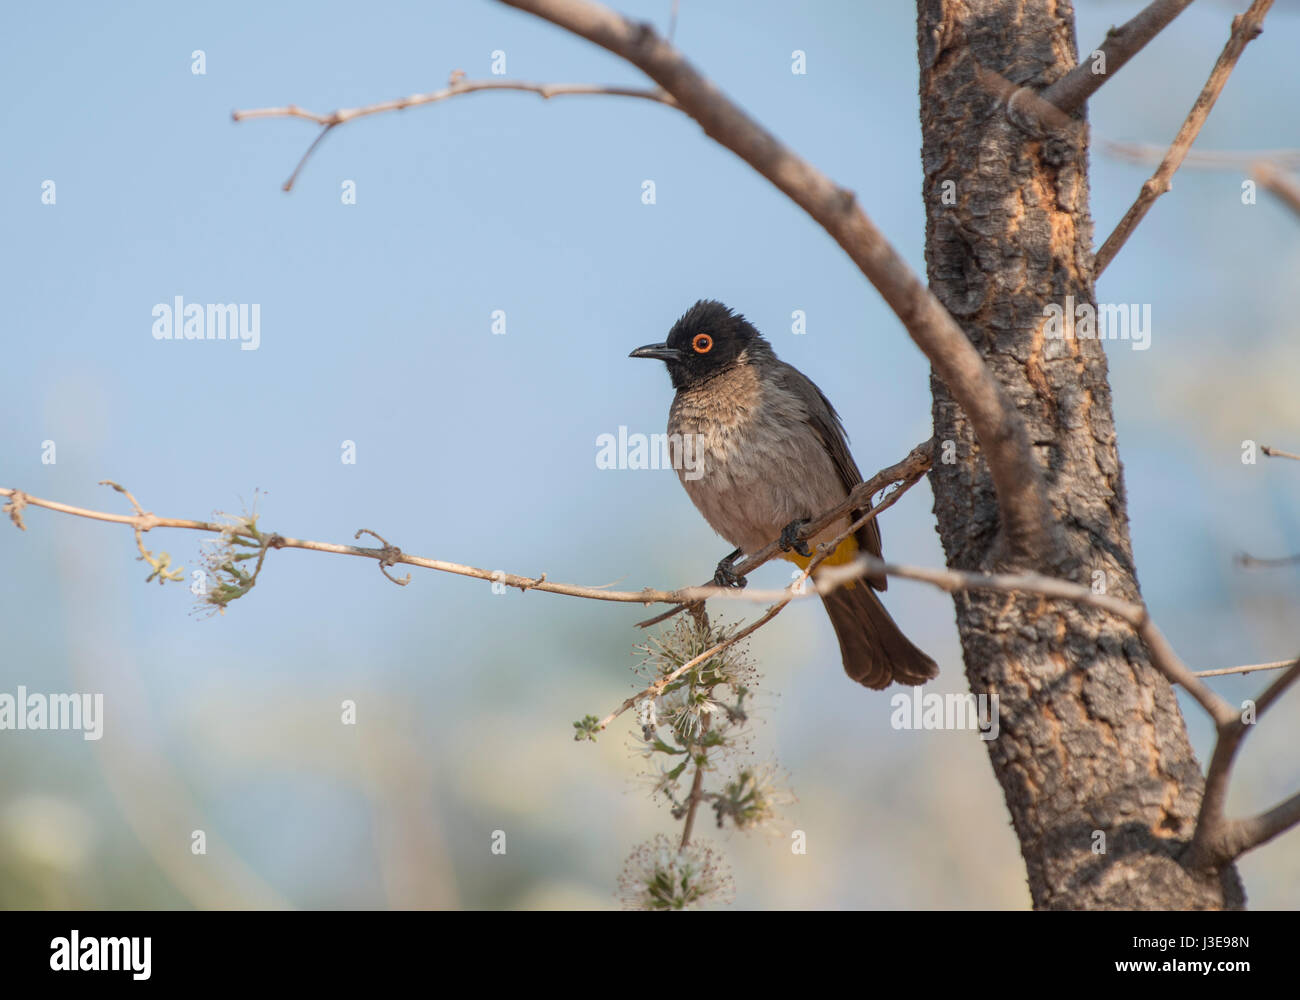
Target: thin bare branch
<point>1121,45</point>
<point>1217,839</point>
<point>1245,28</point>
<point>1203,159</point>
<point>1249,669</point>
<point>1024,105</point>
<point>1255,562</point>
<point>1267,168</point>
<point>697,791</point>
<point>1287,189</point>
<point>456,88</point>
<point>1243,835</point>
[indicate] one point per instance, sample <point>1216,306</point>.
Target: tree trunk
<point>1093,754</point>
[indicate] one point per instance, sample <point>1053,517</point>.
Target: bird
<point>771,454</point>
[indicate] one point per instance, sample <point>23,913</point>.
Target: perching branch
<point>908,471</point>
<point>1245,28</point>
<point>387,556</point>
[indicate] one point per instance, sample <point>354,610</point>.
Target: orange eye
<point>702,343</point>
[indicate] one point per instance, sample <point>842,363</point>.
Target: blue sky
<point>478,448</point>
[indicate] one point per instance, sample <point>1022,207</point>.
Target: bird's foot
<point>726,576</point>
<point>790,538</point>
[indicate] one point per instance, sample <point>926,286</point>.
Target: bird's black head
<point>708,339</point>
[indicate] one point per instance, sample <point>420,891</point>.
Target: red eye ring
<point>702,343</point>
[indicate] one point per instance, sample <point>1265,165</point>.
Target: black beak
<point>660,352</point>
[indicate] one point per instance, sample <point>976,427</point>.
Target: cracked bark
<point>1092,737</point>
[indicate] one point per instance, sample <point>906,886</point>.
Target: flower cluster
<point>694,724</point>
<point>661,876</point>
<point>227,577</point>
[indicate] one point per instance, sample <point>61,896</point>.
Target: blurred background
<point>376,328</point>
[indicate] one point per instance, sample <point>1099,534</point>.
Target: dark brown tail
<point>874,649</point>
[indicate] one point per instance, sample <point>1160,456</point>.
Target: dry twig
<point>1245,28</point>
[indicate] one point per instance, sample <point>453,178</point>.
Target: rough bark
<point>1092,738</point>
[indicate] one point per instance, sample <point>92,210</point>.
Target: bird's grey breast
<point>748,456</point>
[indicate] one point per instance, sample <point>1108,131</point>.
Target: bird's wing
<point>826,422</point>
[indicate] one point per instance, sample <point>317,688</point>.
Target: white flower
<point>658,875</point>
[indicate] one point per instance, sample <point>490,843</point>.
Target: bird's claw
<point>790,538</point>
<point>726,576</point>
